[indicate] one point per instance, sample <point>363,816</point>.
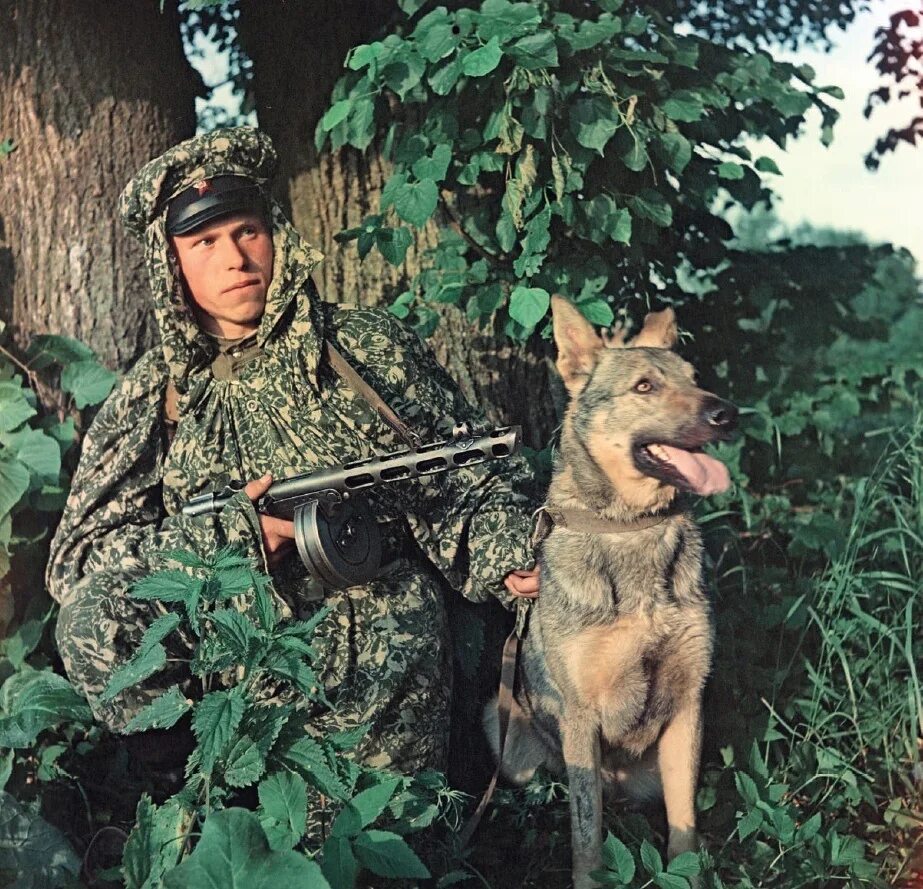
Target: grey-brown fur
<point>619,641</point>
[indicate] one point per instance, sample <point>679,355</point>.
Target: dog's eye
<point>644,386</point>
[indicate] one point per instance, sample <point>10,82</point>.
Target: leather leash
<point>511,650</point>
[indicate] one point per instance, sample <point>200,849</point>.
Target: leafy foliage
<point>578,149</point>
<point>35,445</point>
<point>897,58</point>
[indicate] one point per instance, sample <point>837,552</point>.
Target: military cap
<point>231,152</point>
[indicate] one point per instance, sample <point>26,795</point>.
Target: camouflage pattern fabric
<point>383,648</point>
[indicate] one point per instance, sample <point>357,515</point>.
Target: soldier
<point>241,390</point>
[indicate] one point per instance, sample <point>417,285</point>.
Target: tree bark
<point>298,50</point>
<point>88,93</point>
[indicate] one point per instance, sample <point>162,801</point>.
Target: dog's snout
<point>720,414</point>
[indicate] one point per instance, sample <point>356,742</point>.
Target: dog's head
<point>636,410</point>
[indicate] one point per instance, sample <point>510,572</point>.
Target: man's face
<point>226,267</point>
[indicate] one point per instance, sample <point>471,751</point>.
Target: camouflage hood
<point>244,151</point>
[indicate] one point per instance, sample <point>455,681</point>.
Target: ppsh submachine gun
<point>337,536</point>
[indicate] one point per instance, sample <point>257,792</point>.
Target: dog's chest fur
<point>624,626</point>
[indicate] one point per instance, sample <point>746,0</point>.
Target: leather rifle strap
<point>365,391</point>
<point>511,650</point>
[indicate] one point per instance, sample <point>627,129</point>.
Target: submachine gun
<point>337,536</point>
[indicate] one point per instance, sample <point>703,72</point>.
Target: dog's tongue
<point>705,474</point>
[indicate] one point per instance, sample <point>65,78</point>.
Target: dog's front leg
<point>580,745</point>
<point>678,760</point>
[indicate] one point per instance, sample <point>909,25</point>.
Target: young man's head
<point>220,235</point>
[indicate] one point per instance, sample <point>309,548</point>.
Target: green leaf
<point>244,764</point>
<point>484,301</point>
<point>597,311</point>
<point>237,632</point>
<point>337,113</point>
<point>618,858</point>
<point>436,165</point>
<point>650,858</point>
<point>767,165</point>
<point>393,243</point>
<point>667,880</point>
<point>33,853</point>
<point>360,129</point>
<point>730,170</point>
<point>49,349</point>
<point>404,73</point>
<point>146,662</point>
<point>750,822</point>
<point>528,305</point>
<point>88,381</point>
<point>434,35</point>
<point>155,843</point>
<point>635,158</point>
<point>535,51</point>
<point>482,61</point>
<point>14,406</point>
<point>43,699</point>
<point>14,482</point>
<point>683,106</point>
<point>215,721</point>
<point>446,76</point>
<point>620,231</point>
<point>686,864</point>
<point>163,712</point>
<point>338,863</point>
<point>747,788</point>
<point>388,855</point>
<point>167,586</point>
<point>284,801</point>
<point>234,853</point>
<point>416,202</point>
<point>364,808</point>
<point>307,757</point>
<point>504,21</point>
<point>363,55</point>
<point>650,204</point>
<point>348,738</point>
<point>594,122</point>
<point>677,150</point>
<point>590,33</point>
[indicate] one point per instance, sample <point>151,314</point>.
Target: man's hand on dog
<point>278,534</point>
<point>523,583</point>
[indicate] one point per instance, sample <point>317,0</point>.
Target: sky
<point>831,186</point>
<point>824,186</point>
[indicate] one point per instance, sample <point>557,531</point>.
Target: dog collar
<point>586,522</point>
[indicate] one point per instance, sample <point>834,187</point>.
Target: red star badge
<point>202,187</point>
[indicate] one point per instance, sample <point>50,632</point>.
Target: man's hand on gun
<point>279,541</point>
<point>278,534</point>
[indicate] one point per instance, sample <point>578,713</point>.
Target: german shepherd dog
<point>619,642</point>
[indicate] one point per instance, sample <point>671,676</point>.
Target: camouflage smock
<point>383,653</point>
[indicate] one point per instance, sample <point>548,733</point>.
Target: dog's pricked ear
<point>577,342</point>
<point>658,332</point>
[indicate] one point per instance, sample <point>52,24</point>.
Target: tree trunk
<point>297,50</point>
<point>89,91</point>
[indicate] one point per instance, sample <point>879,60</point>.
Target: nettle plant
<point>246,813</point>
<point>248,719</point>
<point>578,148</point>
